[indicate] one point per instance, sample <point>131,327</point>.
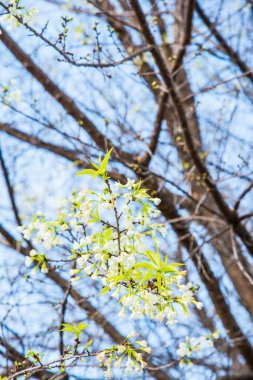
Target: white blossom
<point>129,366</point>
<point>121,348</point>
<point>82,260</point>
<point>122,312</point>
<point>28,261</point>
<point>101,356</point>
<point>33,253</point>
<point>183,350</point>
<point>44,268</point>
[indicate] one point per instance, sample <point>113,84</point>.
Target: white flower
<point>129,366</point>
<point>136,314</point>
<point>122,312</point>
<point>82,260</point>
<point>147,349</point>
<point>140,196</point>
<point>13,10</point>
<point>216,335</point>
<point>76,245</point>
<point>110,246</point>
<point>64,226</point>
<point>132,334</point>
<point>88,269</point>
<point>28,261</point>
<point>117,364</point>
<point>128,197</point>
<point>108,205</point>
<point>95,275</point>
<point>187,298</point>
<point>156,201</point>
<point>27,233</point>
<point>163,231</point>
<point>142,343</point>
<point>73,272</point>
<point>170,322</point>
<point>75,225</point>
<point>34,271</point>
<point>127,260</point>
<point>101,356</point>
<point>128,300</point>
<point>199,305</point>
<point>129,223</point>
<point>82,194</point>
<point>121,349</point>
<point>33,253</point>
<point>125,208</point>
<point>143,364</point>
<point>209,343</point>
<point>30,15</point>
<point>202,339</point>
<point>86,241</point>
<point>14,96</point>
<point>115,294</point>
<point>170,315</point>
<point>99,256</point>
<point>85,209</point>
<point>44,268</point>
<point>130,183</point>
<point>152,212</point>
<point>108,373</point>
<point>139,217</point>
<point>183,350</point>
<point>159,316</point>
<point>151,298</point>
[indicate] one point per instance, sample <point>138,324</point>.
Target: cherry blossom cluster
<point>15,13</point>
<point>191,345</point>
<point>113,237</point>
<point>125,354</point>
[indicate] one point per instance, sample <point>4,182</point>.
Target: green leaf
<point>116,279</point>
<point>147,277</point>
<point>95,165</point>
<point>88,344</point>
<point>67,328</point>
<point>81,326</point>
<point>86,172</point>
<point>145,265</point>
<point>169,269</point>
<point>105,290</point>
<point>154,257</point>
<point>74,329</point>
<point>105,160</point>
<point>176,264</point>
<point>159,281</point>
<point>100,169</point>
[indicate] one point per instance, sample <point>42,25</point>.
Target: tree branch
<point>231,216</point>
<point>61,97</point>
<point>226,48</point>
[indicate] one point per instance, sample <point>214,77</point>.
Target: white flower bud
<point>28,261</point>
<point>33,253</point>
